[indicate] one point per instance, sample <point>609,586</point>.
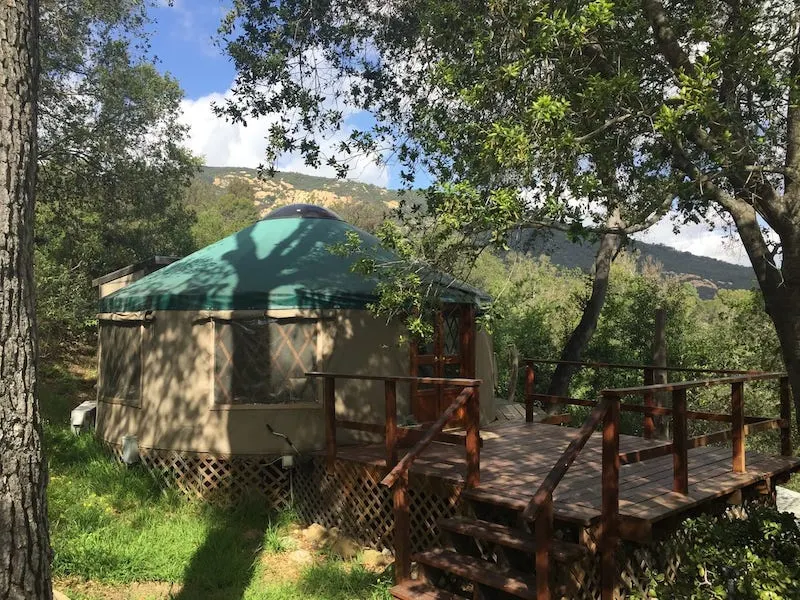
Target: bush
<point>734,558</point>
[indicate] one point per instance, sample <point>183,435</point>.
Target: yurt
<point>202,355</point>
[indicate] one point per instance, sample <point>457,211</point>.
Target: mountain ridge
<point>365,205</point>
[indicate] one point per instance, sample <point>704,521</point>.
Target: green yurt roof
<point>283,261</point>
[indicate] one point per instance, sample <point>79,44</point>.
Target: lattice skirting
<point>353,500</point>
<point>219,479</point>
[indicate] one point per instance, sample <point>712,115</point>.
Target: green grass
<point>113,525</point>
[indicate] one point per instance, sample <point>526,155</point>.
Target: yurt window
<point>121,361</point>
<point>264,361</point>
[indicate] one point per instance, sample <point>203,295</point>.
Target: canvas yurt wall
<point>203,354</point>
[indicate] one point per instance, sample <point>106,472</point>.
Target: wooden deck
<point>516,457</point>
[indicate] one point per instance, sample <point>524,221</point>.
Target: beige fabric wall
<point>104,289</point>
<point>177,410</point>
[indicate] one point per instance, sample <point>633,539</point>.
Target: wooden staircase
<point>491,556</point>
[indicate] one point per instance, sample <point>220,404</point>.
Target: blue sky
<point>182,38</point>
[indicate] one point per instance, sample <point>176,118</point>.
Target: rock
<point>59,595</point>
<point>301,557</point>
<point>345,548</point>
<point>315,534</point>
<point>374,560</point>
<point>788,501</point>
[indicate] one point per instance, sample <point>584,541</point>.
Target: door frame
<point>427,404</point>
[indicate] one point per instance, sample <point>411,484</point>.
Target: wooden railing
<point>648,379</point>
<point>741,425</point>
<point>397,471</point>
<point>607,410</point>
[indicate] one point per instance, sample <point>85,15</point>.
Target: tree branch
<point>740,158</point>
<point>604,127</point>
<point>744,216</point>
<point>791,183</point>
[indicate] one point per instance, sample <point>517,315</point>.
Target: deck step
<point>480,571</point>
<point>572,514</point>
<point>414,589</point>
<point>488,497</point>
<point>508,537</point>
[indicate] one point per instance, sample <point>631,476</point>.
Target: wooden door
<point>450,353</point>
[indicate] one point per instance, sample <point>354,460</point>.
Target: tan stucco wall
<point>177,410</point>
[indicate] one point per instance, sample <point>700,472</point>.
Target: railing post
<point>786,416</point>
<point>390,397</point>
<point>737,426</point>
<point>680,456</point>
<point>610,499</point>
<point>543,532</point>
<point>530,376</point>
<point>329,408</point>
<point>402,530</point>
<point>473,439</point>
<point>649,425</point>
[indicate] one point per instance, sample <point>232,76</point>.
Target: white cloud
<point>224,144</point>
<point>720,242</point>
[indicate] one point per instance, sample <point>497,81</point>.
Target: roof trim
<point>154,261</point>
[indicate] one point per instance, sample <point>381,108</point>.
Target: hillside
<point>706,274</point>
<point>288,188</point>
<point>365,205</point>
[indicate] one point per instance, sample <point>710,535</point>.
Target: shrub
<point>735,558</point>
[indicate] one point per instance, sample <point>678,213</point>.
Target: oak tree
<point>693,105</point>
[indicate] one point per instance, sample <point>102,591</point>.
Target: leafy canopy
<point>562,112</point>
<point>112,166</point>
<point>536,106</point>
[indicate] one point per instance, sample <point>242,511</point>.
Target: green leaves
<point>547,109</point>
<point>112,167</point>
<point>730,557</point>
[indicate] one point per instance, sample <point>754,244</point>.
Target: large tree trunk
<point>24,542</point>
<point>780,286</point>
<point>782,303</point>
<point>610,244</point>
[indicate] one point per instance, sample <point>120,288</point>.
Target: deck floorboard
<point>516,456</point>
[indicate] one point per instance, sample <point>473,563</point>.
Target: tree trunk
<point>24,541</point>
<point>610,244</point>
<point>660,375</point>
<point>513,376</point>
<point>782,303</point>
<point>780,286</point>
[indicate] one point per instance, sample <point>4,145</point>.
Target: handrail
<point>563,464</point>
<point>643,409</point>
<point>632,366</point>
<point>754,425</point>
<point>398,475</point>
<point>687,385</point>
<point>539,509</point>
<point>430,433</point>
<point>397,478</point>
<point>451,381</point>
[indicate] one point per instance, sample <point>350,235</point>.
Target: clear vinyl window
<point>121,361</point>
<point>264,361</point>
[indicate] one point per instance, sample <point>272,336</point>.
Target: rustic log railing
<point>607,410</point>
<point>397,471</point>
